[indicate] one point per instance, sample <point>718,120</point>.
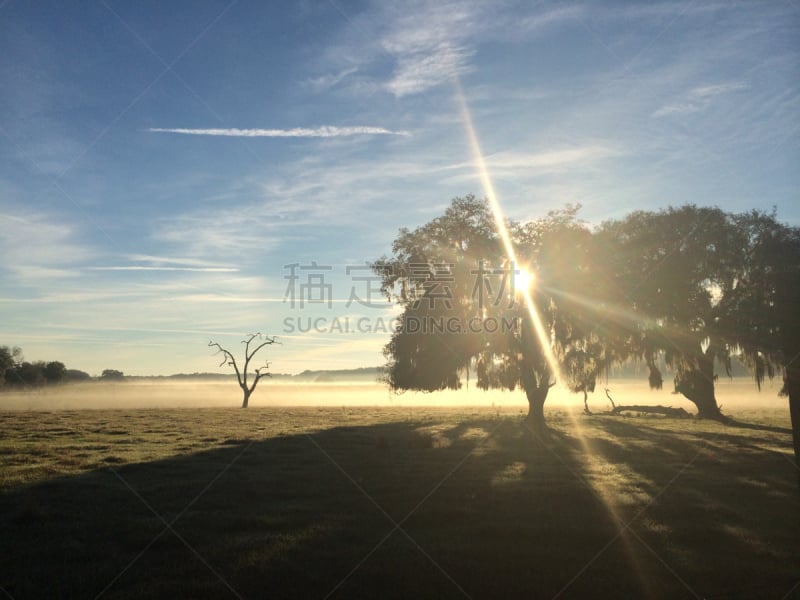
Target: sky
<point>164,164</point>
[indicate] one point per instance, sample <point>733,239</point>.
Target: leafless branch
<point>241,375</point>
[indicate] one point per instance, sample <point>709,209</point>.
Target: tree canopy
<point>693,282</point>
<point>462,311</point>
<point>690,287</point>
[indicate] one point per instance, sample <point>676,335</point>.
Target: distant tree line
<point>15,372</point>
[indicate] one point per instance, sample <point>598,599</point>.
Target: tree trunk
<point>793,390</point>
<point>697,385</point>
<point>536,397</point>
<point>246,397</point>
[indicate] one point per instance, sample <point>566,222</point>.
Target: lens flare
<point>523,285</point>
<point>523,279</point>
<point>502,230</point>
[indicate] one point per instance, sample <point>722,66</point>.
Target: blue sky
<point>163,162</point>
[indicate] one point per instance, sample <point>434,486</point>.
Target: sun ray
<point>593,461</point>
<point>502,230</point>
<point>523,279</point>
<point>524,287</point>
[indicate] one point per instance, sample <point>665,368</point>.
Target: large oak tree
<point>455,271</point>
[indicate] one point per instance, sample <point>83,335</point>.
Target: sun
<point>523,279</point>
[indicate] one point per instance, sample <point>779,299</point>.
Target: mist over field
<point>732,394</point>
<point>378,501</point>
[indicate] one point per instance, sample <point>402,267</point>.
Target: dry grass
<point>303,502</point>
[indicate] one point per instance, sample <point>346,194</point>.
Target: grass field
<point>394,502</point>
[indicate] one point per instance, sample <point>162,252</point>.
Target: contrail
<point>154,268</point>
<point>325,131</point>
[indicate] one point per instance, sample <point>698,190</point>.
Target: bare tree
<point>241,375</point>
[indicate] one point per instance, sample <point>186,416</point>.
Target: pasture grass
<point>404,502</point>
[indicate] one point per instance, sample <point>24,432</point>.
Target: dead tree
<point>241,375</point>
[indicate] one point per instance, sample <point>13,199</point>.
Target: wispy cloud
<point>244,233</point>
<point>150,268</point>
<point>35,273</point>
<point>227,298</point>
<point>159,261</point>
<point>431,43</point>
<point>549,160</point>
<point>292,204</point>
<point>39,240</point>
<point>326,131</point>
<point>427,43</point>
<point>533,163</point>
<point>421,70</point>
<point>148,262</point>
<point>329,80</point>
<point>539,21</point>
<point>430,46</point>
<point>698,98</point>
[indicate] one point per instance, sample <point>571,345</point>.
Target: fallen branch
<point>618,409</point>
<point>667,411</point>
<point>610,399</point>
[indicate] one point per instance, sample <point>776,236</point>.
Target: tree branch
<point>260,372</point>
<point>228,358</point>
<point>241,374</point>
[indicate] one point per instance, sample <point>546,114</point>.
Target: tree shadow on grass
<point>476,508</point>
<point>723,509</point>
<point>757,426</point>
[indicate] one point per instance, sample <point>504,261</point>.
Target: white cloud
<point>334,189</point>
<point>326,131</point>
<point>30,272</point>
<point>151,268</point>
<point>217,298</point>
<point>214,232</point>
<point>160,263</point>
<point>698,99</point>
<point>328,188</point>
<point>421,70</point>
<point>540,21</point>
<point>325,82</point>
<point>430,45</point>
<point>708,91</point>
<point>38,240</point>
<point>166,261</point>
<point>522,164</point>
<point>426,43</point>
<point>548,160</point>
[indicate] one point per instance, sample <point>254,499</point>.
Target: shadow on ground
<point>604,507</point>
